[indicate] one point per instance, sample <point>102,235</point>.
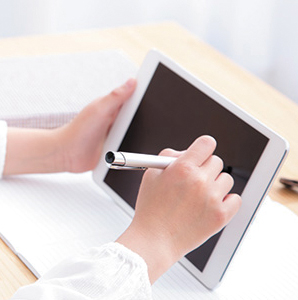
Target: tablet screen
<point>172,114</point>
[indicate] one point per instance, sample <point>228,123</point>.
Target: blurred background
<point>259,35</point>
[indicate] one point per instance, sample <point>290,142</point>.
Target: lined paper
<point>49,217</point>
<point>64,212</point>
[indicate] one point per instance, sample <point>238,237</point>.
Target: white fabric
<point>3,141</point>
<point>108,272</point>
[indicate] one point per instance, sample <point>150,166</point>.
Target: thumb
<point>108,107</point>
<point>101,113</point>
<point>118,96</point>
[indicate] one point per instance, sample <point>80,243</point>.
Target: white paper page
<point>48,91</point>
<point>265,266</point>
<point>49,217</point>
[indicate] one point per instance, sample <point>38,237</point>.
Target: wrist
<point>153,247</point>
<point>32,151</point>
<point>56,159</point>
<point>71,153</point>
<point>61,154</point>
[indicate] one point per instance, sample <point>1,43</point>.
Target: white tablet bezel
<point>254,192</point>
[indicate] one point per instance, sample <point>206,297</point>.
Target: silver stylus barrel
<point>137,160</point>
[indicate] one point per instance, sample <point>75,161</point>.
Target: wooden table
<point>249,92</point>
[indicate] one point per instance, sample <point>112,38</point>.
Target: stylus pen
<point>136,161</point>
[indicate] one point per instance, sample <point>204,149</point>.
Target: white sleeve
<point>3,140</point>
<point>109,272</point>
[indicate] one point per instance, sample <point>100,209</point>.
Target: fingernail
<point>130,83</point>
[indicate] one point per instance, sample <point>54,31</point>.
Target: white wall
<point>260,35</point>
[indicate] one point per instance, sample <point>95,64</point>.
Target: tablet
<point>170,109</point>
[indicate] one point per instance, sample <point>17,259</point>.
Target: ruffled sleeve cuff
<point>109,272</point>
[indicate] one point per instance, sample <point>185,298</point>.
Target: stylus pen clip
<point>114,167</point>
<point>136,161</point>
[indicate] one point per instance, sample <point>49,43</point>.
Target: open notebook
<point>45,218</point>
<point>48,91</point>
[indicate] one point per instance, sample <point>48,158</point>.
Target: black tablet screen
<point>172,114</point>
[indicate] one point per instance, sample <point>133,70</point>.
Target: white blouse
<point>108,272</point>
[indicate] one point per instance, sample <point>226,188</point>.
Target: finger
<point>213,166</point>
<point>200,150</point>
<point>171,152</point>
<point>232,203</point>
<point>225,182</point>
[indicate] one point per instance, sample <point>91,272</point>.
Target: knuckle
<point>203,180</point>
<point>166,152</point>
<point>116,92</point>
<point>203,186</point>
<point>220,217</point>
<point>184,169</point>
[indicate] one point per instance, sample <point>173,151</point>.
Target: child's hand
<point>82,140</point>
<point>180,207</point>
<point>75,147</point>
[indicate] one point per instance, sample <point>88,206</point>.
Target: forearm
<point>32,151</point>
